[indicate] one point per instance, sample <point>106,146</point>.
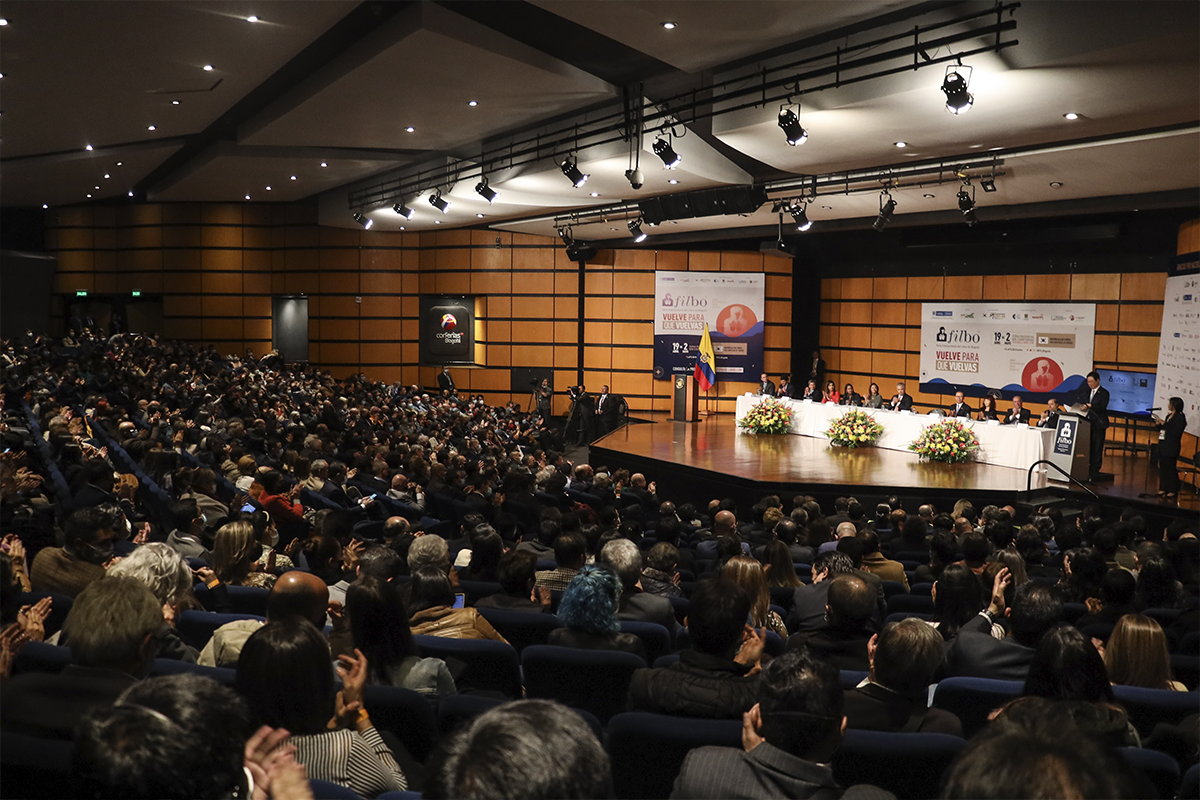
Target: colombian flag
<point>706,373</point>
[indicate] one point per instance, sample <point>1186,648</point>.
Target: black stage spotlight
<point>485,191</point>
<point>966,204</point>
<point>437,202</point>
<point>635,230</point>
<point>799,213</point>
<point>886,210</point>
<point>403,210</point>
<point>789,123</point>
<point>954,86</point>
<point>988,183</point>
<point>363,220</point>
<point>663,149</point>
<point>571,170</point>
<point>565,235</point>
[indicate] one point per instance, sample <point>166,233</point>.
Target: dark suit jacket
<point>767,389</point>
<point>1024,416</point>
<point>976,654</point>
<point>641,607</point>
<point>955,410</point>
<point>51,705</point>
<point>1172,439</point>
<point>608,406</point>
<point>1051,422</point>
<point>764,772</point>
<point>817,372</point>
<point>445,381</point>
<point>905,403</point>
<point>1098,413</point>
<point>875,708</point>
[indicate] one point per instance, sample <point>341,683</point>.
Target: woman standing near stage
<point>831,393</point>
<point>874,398</point>
<point>988,409</point>
<point>851,397</point>
<point>1170,439</point>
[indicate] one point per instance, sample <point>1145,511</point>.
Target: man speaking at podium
<point>1094,404</point>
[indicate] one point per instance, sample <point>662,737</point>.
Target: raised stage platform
<point>707,459</point>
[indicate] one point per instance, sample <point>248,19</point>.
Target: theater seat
<point>490,665</point>
<point>327,790</point>
<point>197,627</point>
<point>34,767</point>
<point>596,681</point>
<point>909,765</point>
<point>972,699</point>
<point>406,714</point>
<point>521,628</point>
<point>909,603</point>
<point>41,657</point>
<point>1159,769</point>
<point>655,638</point>
<point>456,709</point>
<point>647,750</point>
<point>171,666</point>
<point>1148,707</point>
<point>1190,786</point>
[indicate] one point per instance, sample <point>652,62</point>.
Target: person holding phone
<point>1170,441</point>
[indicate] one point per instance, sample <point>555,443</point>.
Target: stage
<point>707,459</point>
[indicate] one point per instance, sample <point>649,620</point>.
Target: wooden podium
<point>686,399</point>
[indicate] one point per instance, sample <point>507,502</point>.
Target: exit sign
<point>81,294</point>
<point>137,294</point>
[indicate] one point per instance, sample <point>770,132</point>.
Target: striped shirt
<point>359,761</point>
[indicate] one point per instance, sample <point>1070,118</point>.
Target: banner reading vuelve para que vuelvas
<point>733,306</point>
<point>1035,350</point>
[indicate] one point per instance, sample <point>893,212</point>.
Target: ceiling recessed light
<point>247,197</point>
<point>106,176</point>
<point>409,129</point>
<point>89,195</point>
<point>673,181</point>
<point>131,194</point>
<point>174,102</point>
<point>323,164</point>
<point>669,25</point>
<point>3,22</point>
<point>268,188</point>
<point>1,74</point>
<point>472,103</point>
<point>149,127</point>
<point>827,208</point>
<point>88,148</point>
<point>437,222</point>
<point>901,144</point>
<point>207,67</point>
<point>1055,184</point>
<point>401,227</point>
<point>252,18</point>
<point>119,163</point>
<point>45,206</point>
<point>1070,115</point>
<point>595,194</point>
<point>926,195</point>
<point>478,215</point>
<point>97,188</point>
<point>292,178</point>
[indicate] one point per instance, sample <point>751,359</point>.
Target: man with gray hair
<point>112,629</point>
<point>428,551</point>
<point>318,472</point>
<point>623,557</point>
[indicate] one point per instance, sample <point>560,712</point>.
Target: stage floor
<point>713,445</point>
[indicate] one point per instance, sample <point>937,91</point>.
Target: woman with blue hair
<point>588,611</point>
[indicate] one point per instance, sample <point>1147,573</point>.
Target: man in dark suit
<point>960,407</point>
<point>766,387</point>
<point>817,371</point>
<point>1018,415</point>
<point>608,409</point>
<point>788,740</point>
<point>1049,418</point>
<point>445,381</point>
<point>901,400</point>
<point>1094,400</point>
<point>1036,608</point>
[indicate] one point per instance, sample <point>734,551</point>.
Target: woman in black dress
<point>1169,441</point>
<point>988,410</point>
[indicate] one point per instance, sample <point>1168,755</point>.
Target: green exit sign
<point>137,294</point>
<point>81,294</point>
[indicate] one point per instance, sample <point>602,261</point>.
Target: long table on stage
<point>1016,446</point>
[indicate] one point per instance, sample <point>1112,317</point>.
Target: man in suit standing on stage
<point>445,382</point>
<point>766,386</point>
<point>1019,415</point>
<point>607,410</point>
<point>817,372</point>
<point>960,407</point>
<point>1094,400</point>
<point>900,400</point>
<point>1049,418</point>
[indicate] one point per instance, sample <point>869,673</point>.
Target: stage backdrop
<point>1178,348</point>
<point>1036,350</point>
<point>732,305</point>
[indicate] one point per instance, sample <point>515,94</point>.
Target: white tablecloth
<point>1016,446</point>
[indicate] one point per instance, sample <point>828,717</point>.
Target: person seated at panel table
<point>959,408</point>
<point>851,397</point>
<point>873,399</point>
<point>785,386</point>
<point>1018,415</point>
<point>1049,418</point>
<point>831,393</point>
<point>988,409</point>
<point>900,401</point>
<point>766,386</point>
<point>811,392</point>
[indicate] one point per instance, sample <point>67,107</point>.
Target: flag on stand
<point>706,372</point>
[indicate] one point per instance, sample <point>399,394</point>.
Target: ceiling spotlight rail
<point>613,122</point>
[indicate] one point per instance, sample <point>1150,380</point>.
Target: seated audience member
<point>778,566</point>
<point>570,554</point>
<point>748,573</point>
<point>1083,572</point>
<point>660,576</point>
<point>874,562</point>
<point>532,749</point>
<point>1117,598</point>
<point>541,545</point>
<point>788,739</point>
<point>284,675</point>
<point>88,536</point>
<point>623,557</point>
<point>266,533</point>
<point>284,507</point>
<point>1036,554</point>
<point>943,551</point>
<point>432,611</point>
<point>236,554</point>
<point>295,594</point>
<point>380,630</point>
<point>895,696</point>
<point>164,572</point>
<point>1156,585</point>
<point>717,677</point>
<point>487,548</point>
<point>843,640</point>
<point>112,629</point>
<point>1035,610</point>
<point>809,601</point>
<point>188,536</point>
<point>516,578</point>
<point>185,737</point>
<point>1067,667</point>
<point>588,611</point>
<point>957,599</point>
<point>1038,748</point>
<point>854,547</point>
<point>1136,655</point>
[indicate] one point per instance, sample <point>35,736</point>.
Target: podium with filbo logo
<point>1071,448</point>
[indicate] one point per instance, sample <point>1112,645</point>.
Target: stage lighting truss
<point>954,86</point>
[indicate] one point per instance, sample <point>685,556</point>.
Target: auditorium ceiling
<point>360,106</point>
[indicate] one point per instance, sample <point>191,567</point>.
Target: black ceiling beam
<point>342,36</point>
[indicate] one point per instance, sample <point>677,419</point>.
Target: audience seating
<point>851,677</point>
<point>197,627</point>
<point>455,709</point>
<point>655,638</point>
<point>1072,612</point>
<point>171,666</point>
<point>35,767</point>
<point>243,599</point>
<point>972,699</point>
<point>1148,707</point>
<point>327,790</point>
<point>680,604</point>
<point>1159,769</point>
<point>490,665</point>
<point>647,750</point>
<point>407,714</point>
<point>1098,630</point>
<point>1163,616</point>
<point>899,615</point>
<point>41,657</point>
<point>521,628</point>
<point>1186,669</point>
<point>909,765</point>
<point>595,680</point>
<point>892,589</point>
<point>916,603</point>
<point>477,590</point>
<point>1190,786</point>
<point>921,589</point>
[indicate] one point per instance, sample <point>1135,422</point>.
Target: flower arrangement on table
<point>854,429</point>
<point>769,416</point>
<point>949,441</point>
